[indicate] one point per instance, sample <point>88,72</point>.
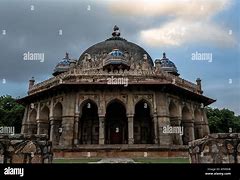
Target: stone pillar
<point>130,129</point>
<point>67,131</point>
<point>42,126</point>
<point>31,128</point>
<point>188,127</point>
<point>101,129</point>
<point>24,129</point>
<point>164,138</point>
<point>76,130</point>
<point>198,127</point>
<point>155,124</point>
<point>205,125</point>
<point>55,123</point>
<point>177,138</point>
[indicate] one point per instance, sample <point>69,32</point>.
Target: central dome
<point>116,42</point>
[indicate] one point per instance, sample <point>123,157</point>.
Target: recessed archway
<point>116,123</point>
<point>89,123</point>
<point>143,124</point>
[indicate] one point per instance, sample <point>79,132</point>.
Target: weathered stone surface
<point>25,149</point>
<point>216,148</point>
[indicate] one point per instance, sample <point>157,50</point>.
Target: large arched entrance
<point>89,123</point>
<point>143,125</point>
<point>116,124</point>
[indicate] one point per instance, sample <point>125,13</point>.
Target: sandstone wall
<point>216,148</point>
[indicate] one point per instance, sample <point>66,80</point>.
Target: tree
<point>11,113</point>
<point>221,120</point>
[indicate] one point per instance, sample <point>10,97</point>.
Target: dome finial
<point>164,55</point>
<point>116,31</point>
<point>66,55</point>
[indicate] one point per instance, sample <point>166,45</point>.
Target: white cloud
<point>180,31</point>
<point>190,20</point>
<point>183,8</point>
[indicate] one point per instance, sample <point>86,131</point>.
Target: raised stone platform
<point>216,148</point>
<point>121,151</point>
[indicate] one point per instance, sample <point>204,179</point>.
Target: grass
<point>162,160</point>
<point>80,160</point>
<point>137,160</point>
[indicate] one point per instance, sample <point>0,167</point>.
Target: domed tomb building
<point>114,98</point>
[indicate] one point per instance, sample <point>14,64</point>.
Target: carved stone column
<point>198,129</point>
<point>155,124</point>
<point>164,138</point>
<point>42,126</point>
<point>188,128</point>
<point>130,129</point>
<point>101,129</point>
<point>55,123</point>
<point>176,138</point>
<point>205,125</point>
<point>24,129</point>
<point>67,131</point>
<point>76,130</point>
<point>31,128</point>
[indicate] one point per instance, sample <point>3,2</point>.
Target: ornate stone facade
<point>79,106</point>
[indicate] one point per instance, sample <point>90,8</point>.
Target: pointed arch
<point>116,123</point>
<point>143,123</point>
<point>88,128</point>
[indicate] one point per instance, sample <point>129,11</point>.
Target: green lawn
<point>137,160</point>
<point>80,160</point>
<point>162,160</point>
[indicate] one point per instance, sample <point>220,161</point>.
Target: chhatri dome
<point>167,65</point>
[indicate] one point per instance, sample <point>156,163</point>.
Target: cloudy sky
<point>177,27</point>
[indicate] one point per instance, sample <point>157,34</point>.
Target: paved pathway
<point>116,160</point>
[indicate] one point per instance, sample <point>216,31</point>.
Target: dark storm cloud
<point>37,31</point>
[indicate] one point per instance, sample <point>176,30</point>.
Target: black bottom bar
<point>163,171</point>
